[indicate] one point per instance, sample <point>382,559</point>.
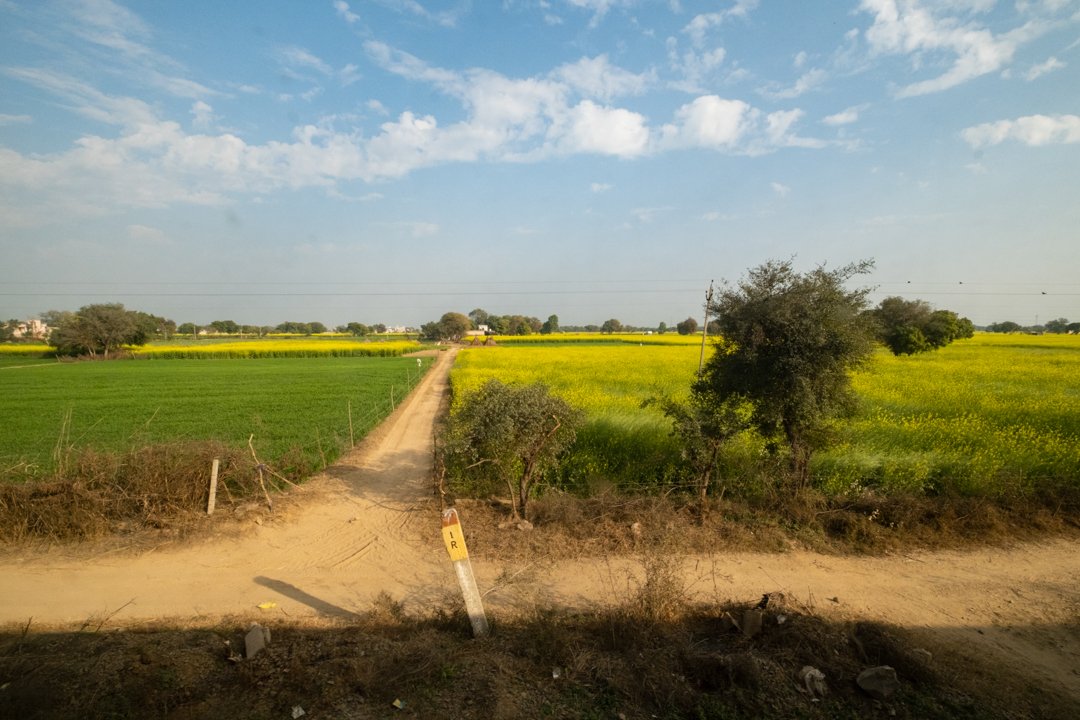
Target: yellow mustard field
<point>991,414</point>
<point>671,338</point>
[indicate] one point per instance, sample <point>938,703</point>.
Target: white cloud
<point>711,122</point>
<point>1032,130</point>
<point>799,59</point>
<point>600,187</point>
<point>152,161</point>
<point>605,131</point>
<point>349,74</point>
<point>85,99</point>
<point>202,114</point>
<point>346,14</point>
<point>376,107</point>
<point>1037,71</point>
<point>806,82</point>
<point>599,8</point>
<point>6,119</point>
<point>703,23</point>
<point>298,57</point>
<point>780,189</point>
<point>114,29</point>
<point>916,28</point>
<point>648,214</point>
<point>446,18</point>
<point>694,68</point>
<point>597,77</point>
<point>844,117</point>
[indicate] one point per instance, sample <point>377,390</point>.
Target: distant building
<point>31,330</point>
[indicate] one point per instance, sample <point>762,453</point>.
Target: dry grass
<point>626,662</point>
<point>869,524</point>
<point>95,493</point>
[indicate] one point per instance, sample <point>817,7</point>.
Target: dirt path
<point>370,526</point>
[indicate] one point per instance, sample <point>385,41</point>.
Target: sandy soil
<point>370,525</point>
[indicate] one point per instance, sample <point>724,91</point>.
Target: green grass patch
<point>297,409</point>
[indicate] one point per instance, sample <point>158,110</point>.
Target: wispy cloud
<point>700,26</point>
<point>298,57</point>
<point>445,18</point>
<point>1030,130</point>
<point>806,82</point>
<point>951,30</point>
<point>1037,71</point>
<point>597,77</point>
<point>780,189</point>
<point>597,187</point>
<point>346,14</point>
<point>202,115</point>
<point>6,119</point>
<point>844,117</point>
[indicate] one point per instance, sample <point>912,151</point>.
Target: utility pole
<point>705,328</point>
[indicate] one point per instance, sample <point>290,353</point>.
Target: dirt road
<point>369,526</point>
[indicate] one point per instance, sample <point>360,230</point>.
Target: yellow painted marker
<point>454,539</point>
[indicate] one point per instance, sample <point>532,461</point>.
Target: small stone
<point>524,525</point>
<point>879,682</point>
<point>636,529</point>
<point>923,654</point>
<point>256,640</point>
<point>298,712</point>
<point>814,680</point>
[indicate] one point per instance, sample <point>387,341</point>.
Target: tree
<point>611,326</point>
<point>379,328</point>
<point>7,330</point>
<point>521,325</point>
<point>703,428</point>
<point>511,435</point>
<point>451,326</point>
<point>688,326</point>
<point>790,341</point>
<point>1059,325</point>
<point>95,329</point>
<point>357,329</point>
<point>225,327</point>
<point>551,326</point>
<point>479,317</point>
<point>155,326</point>
<point>662,328</point>
<point>907,327</point>
<point>187,329</point>
<point>1004,327</point>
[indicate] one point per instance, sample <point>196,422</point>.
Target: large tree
<point>98,329</point>
<point>789,343</point>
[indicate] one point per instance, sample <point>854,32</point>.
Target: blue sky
<point>388,161</point>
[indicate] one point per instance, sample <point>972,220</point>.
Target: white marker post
<point>459,555</point>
